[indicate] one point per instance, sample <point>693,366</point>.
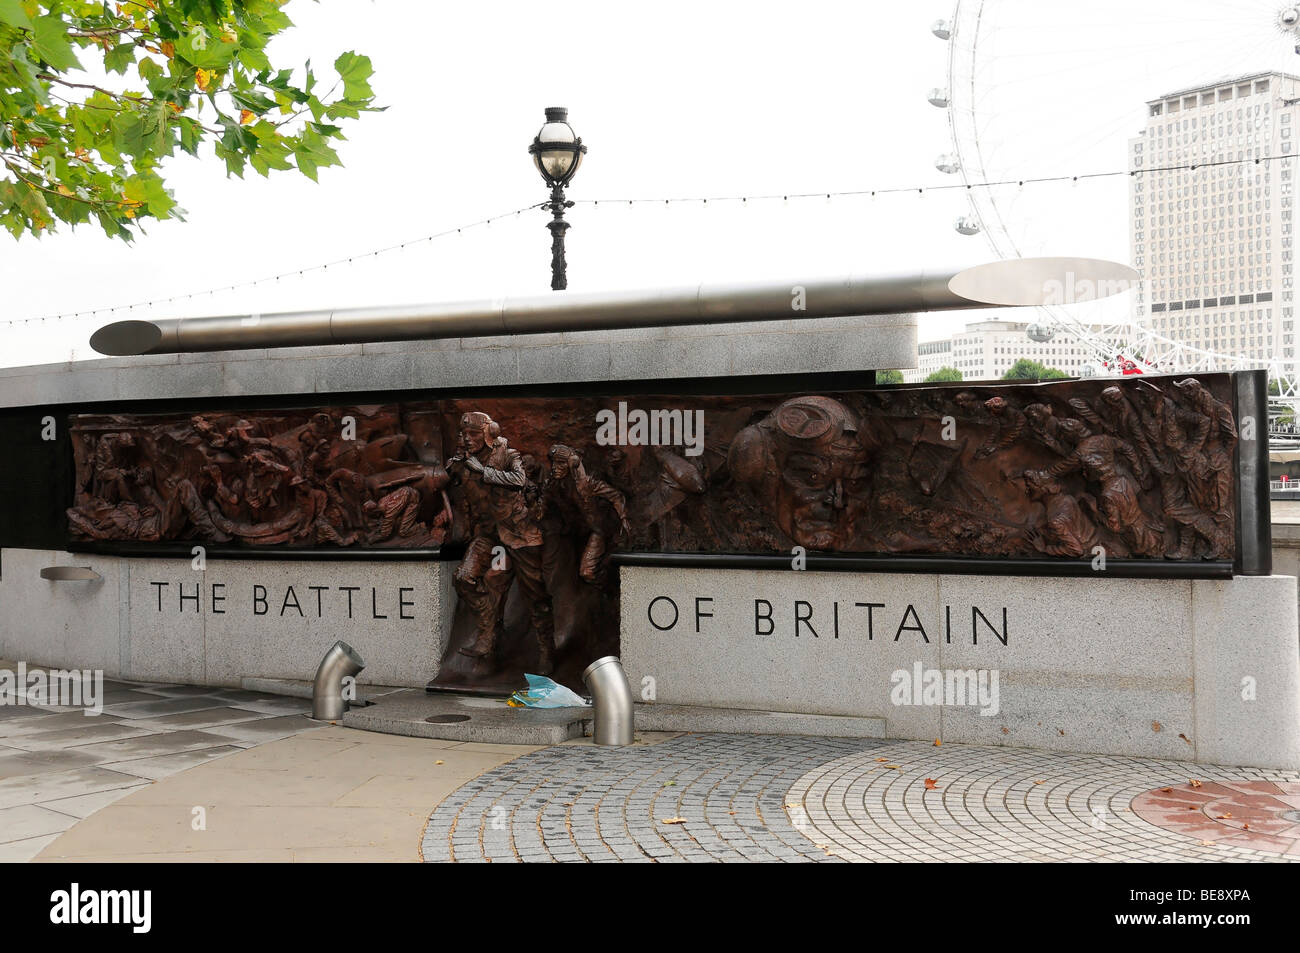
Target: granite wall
<point>163,620</point>
<point>1201,670</point>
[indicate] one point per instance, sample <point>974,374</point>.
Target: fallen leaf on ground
<point>1224,817</point>
<point>1245,827</point>
<point>1040,782</point>
<point>1185,738</point>
<point>1005,730</point>
<point>1155,726</point>
<point>438,762</point>
<point>938,743</point>
<point>893,767</point>
<point>882,759</point>
<point>1194,783</point>
<point>1166,790</point>
<point>673,820</point>
<point>931,784</point>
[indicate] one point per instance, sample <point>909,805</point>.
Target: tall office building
<point>1214,244</point>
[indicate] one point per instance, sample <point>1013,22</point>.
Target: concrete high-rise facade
<point>1214,244</point>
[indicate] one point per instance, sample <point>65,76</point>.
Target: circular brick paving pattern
<point>1011,804</point>
<point>769,798</point>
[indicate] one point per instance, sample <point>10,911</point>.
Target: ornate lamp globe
<point>557,151</point>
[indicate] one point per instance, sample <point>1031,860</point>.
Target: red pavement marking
<point>1224,809</point>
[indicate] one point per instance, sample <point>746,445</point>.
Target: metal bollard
<point>612,698</point>
<point>327,702</point>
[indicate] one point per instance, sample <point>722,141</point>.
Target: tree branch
<point>50,77</point>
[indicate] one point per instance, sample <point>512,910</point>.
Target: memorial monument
<point>742,548</point>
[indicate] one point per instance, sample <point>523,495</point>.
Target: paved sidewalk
<point>60,764</point>
<point>329,794</point>
<point>768,798</point>
<point>186,773</point>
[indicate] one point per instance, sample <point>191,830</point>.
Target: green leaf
<point>119,57</point>
<point>149,191</point>
<point>208,53</point>
<point>50,41</point>
<point>129,134</point>
<point>254,59</point>
<point>12,13</point>
<point>158,140</point>
<point>190,135</point>
<point>306,165</point>
<point>342,110</point>
<point>257,103</point>
<point>355,71</point>
<point>153,75</point>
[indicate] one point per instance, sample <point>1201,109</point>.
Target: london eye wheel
<point>1045,102</point>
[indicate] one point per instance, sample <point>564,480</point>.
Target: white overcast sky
<point>673,99</point>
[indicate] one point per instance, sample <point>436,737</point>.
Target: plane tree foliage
<point>94,97</point>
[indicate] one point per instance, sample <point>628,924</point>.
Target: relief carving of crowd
<point>1142,467</point>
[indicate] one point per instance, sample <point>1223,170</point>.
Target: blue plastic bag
<point>542,692</point>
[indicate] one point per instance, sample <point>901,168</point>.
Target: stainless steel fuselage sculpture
<point>1015,283</point>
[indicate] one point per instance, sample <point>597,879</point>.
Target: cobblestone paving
<point>768,798</point>
<point>1002,804</point>
<point>579,803</point>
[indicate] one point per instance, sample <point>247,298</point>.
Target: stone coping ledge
<point>752,348</point>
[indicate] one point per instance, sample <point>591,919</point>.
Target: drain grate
<point>446,719</point>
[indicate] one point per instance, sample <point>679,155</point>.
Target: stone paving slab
<point>12,713</point>
<point>28,763</point>
<point>16,721</point>
<point>162,706</point>
<point>203,718</point>
<point>155,744</point>
<point>91,730</point>
<point>266,729</point>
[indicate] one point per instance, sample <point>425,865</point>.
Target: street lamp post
<point>557,153</point>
